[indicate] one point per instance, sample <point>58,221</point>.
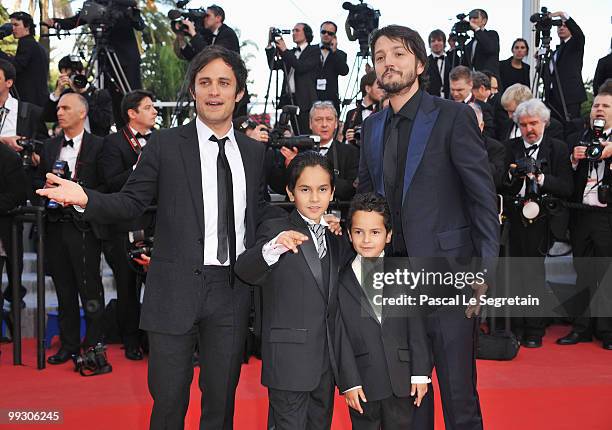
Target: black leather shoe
<point>532,342</point>
<point>133,353</point>
<point>607,344</point>
<point>573,338</point>
<point>61,357</point>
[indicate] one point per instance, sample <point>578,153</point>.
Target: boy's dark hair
<point>132,100</point>
<point>308,159</point>
<point>9,70</point>
<point>367,80</point>
<point>27,20</point>
<point>437,35</point>
<point>411,39</point>
<point>214,52</point>
<point>370,202</point>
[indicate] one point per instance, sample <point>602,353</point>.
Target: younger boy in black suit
<point>299,294</point>
<point>387,360</point>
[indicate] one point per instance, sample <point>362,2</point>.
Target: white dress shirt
<point>534,155</point>
<point>70,154</point>
<point>8,123</point>
<point>208,162</point>
<point>596,174</point>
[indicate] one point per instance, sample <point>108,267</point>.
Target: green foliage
<point>8,44</point>
<point>585,108</point>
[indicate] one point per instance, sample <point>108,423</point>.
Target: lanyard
<point>129,136</point>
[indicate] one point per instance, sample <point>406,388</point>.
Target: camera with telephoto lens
<point>462,26</point>
<point>196,16</point>
<point>6,30</point>
<point>60,168</point>
<point>277,137</point>
<point>363,20</point>
<point>92,362</point>
<point>29,147</point>
<point>532,202</point>
<point>139,244</point>
<point>276,33</point>
<point>594,147</point>
<point>104,13</point>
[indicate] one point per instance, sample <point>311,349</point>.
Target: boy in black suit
<point>387,360</point>
<point>299,299</point>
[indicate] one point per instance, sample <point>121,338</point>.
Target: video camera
<point>92,362</point>
<point>543,24</point>
<point>363,20</point>
<point>29,147</point>
<point>277,137</point>
<point>6,30</point>
<point>104,13</point>
<point>594,148</point>
<point>460,30</point>
<point>276,33</point>
<point>194,15</point>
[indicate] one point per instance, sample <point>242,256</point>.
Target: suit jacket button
<point>200,241</point>
<point>197,272</point>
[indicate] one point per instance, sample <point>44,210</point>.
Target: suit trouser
<point>528,275</point>
<point>128,302</point>
<point>392,413</point>
<point>303,410</point>
<point>592,237</point>
<point>74,263</point>
<point>8,248</point>
<point>453,342</point>
<point>220,332</point>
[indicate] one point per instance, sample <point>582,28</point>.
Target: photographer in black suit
<point>461,91</point>
<point>119,157</point>
<point>438,65</point>
<point>568,65</point>
<point>125,18</point>
<point>603,72</point>
<point>302,65</point>
<point>371,94</point>
<point>533,239</point>
<point>591,230</point>
<point>72,79</point>
<point>72,246</point>
<point>216,32</point>
<point>482,52</point>
<point>496,151</point>
<point>31,61</point>
<point>196,244</point>
<point>333,64</point>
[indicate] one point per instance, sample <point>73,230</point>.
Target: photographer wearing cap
<point>31,61</point>
<point>216,32</point>
<point>333,64</point>
<point>591,230</point>
<point>482,52</point>
<point>532,228</point>
<point>72,79</point>
<point>567,59</point>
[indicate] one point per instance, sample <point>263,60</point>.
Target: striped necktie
<point>319,232</point>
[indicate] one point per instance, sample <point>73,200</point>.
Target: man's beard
<point>393,88</point>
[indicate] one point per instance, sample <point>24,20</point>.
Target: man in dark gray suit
<point>426,156</point>
<point>191,295</point>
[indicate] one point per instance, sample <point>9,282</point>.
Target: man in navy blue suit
<point>425,154</point>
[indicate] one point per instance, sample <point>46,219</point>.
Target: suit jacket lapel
<point>353,286</point>
<point>190,152</point>
<point>419,137</point>
<point>376,149</point>
<point>309,251</point>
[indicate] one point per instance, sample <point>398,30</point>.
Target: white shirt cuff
<point>53,97</point>
<point>351,389</point>
<point>420,379</point>
<point>541,180</point>
<point>78,209</point>
<point>271,251</point>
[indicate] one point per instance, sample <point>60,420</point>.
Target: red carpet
<point>549,388</point>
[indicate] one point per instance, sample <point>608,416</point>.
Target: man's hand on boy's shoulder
<point>334,224</point>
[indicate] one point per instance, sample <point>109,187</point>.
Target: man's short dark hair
<point>9,70</point>
<point>132,100</point>
<point>411,39</point>
<point>605,89</point>
<point>71,62</point>
<point>214,52</point>
<point>367,80</point>
<point>479,13</point>
<point>370,202</point>
<point>479,79</point>
<point>27,20</point>
<point>308,159</point>
<point>330,23</point>
<point>461,72</point>
<point>436,35</point>
<point>217,10</point>
<point>307,31</point>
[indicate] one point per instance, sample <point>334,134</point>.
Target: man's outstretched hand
<point>63,191</point>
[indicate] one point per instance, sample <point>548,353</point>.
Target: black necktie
<point>69,143</point>
<point>226,232</point>
<point>143,136</point>
<point>370,108</point>
<point>390,156</point>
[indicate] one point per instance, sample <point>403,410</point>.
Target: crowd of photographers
<point>541,154</point>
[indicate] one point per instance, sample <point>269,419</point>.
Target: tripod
<point>353,82</point>
<point>275,66</point>
<point>457,58</point>
<point>104,63</point>
<point>544,61</point>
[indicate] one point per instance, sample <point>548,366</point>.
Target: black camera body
<point>543,23</point>
<point>104,13</point>
<point>363,19</point>
<point>92,362</point>
<point>29,147</point>
<point>78,80</point>
<point>594,147</point>
<point>276,33</point>
<point>527,165</point>
<point>60,168</point>
<point>277,139</point>
<point>6,30</point>
<point>194,15</point>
